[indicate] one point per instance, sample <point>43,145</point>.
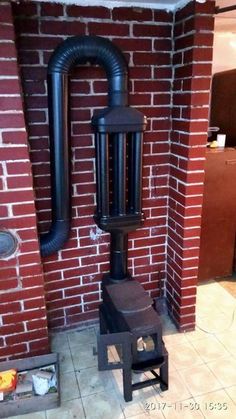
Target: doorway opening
<point>217,259</point>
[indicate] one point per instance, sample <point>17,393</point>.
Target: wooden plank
<point>29,363</point>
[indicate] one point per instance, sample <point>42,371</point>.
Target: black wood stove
<point>126,313</point>
<point>127,316</point>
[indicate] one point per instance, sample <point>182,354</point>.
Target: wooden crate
<point>35,403</point>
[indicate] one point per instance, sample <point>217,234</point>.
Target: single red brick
<point>185,12</point>
<point>9,104</point>
<point>23,209</point>
<point>152,86</point>
<point>7,32</point>
<point>37,324</point>
<point>140,72</point>
<point>5,13</point>
<point>163,45</point>
<point>23,316</point>
<point>7,50</point>
<point>8,284</point>
<point>178,29</point>
<point>27,26</point>
<point>201,69</point>
<point>9,86</point>
<point>88,101</point>
<point>9,68</point>
<point>62,27</point>
<point>30,270</point>
<point>19,182</point>
<point>196,113</point>
<point>157,31</point>
<point>128,13</point>
<point>94,12</point>
<point>39,43</point>
<point>14,168</point>
<point>27,336</point>
<point>29,58</point>
<point>203,39</point>
<point>163,16</point>
<point>34,303</point>
<point>206,8</point>
<point>204,23</point>
<point>140,99</point>
<point>28,234</point>
<point>51,9</point>
<point>187,310</point>
<point>56,323</point>
<point>3,211</point>
<point>91,297</point>
<point>78,86</point>
<point>198,54</point>
<point>83,317</point>
<point>197,84</point>
<point>91,306</point>
<point>109,29</point>
<point>73,310</point>
<point>7,272</point>
<point>11,329</point>
<point>28,259</point>
<point>9,120</point>
<point>13,350</point>
<point>20,9</point>
<point>21,222</point>
<point>134,44</point>
<point>158,58</point>
<point>67,302</point>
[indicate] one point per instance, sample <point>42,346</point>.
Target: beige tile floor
<point>202,379</point>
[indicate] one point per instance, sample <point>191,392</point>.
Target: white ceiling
<point>225,22</point>
<point>154,4</point>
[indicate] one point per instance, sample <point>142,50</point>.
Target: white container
<point>221,139</point>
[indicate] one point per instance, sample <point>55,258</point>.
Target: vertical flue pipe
<point>60,173</point>
<point>135,172</point>
<point>118,256</point>
<point>119,174</point>
<point>102,173</point>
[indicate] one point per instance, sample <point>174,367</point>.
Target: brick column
<point>23,323</point>
<point>193,39</point>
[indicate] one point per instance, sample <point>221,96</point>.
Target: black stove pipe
<point>73,51</point>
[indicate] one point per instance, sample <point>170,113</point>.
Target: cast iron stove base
<point>127,314</point>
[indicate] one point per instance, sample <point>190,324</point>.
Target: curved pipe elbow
<point>56,238</point>
<point>96,50</point>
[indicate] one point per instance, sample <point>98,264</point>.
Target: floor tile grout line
<point>225,388</point>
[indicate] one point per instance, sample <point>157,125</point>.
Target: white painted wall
<point>224,51</point>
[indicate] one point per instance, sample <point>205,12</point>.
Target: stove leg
<point>127,384</point>
<point>164,374</point>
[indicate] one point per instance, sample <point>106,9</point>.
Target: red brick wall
<point>193,39</point>
<point>23,324</point>
<point>72,277</point>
